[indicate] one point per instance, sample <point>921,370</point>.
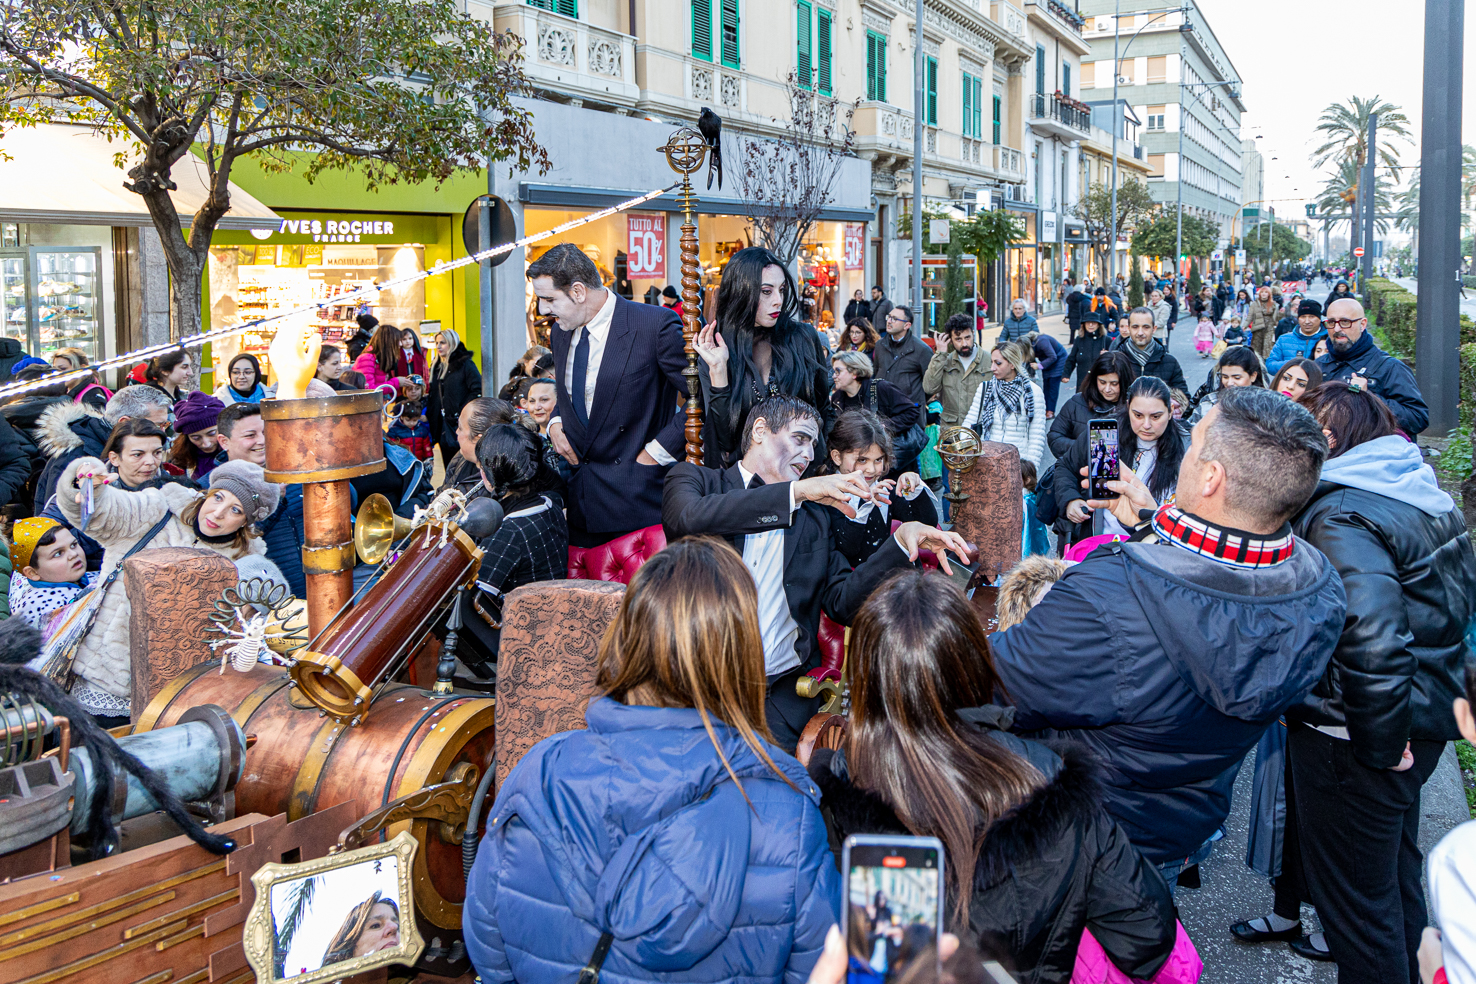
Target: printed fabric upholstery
<point>547,662</point>
<point>619,559</point>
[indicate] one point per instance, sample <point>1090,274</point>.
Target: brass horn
<point>377,528</point>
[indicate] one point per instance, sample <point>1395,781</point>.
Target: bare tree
<point>786,183</point>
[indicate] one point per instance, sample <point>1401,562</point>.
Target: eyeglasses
<point>900,321</point>
<point>1343,323</point>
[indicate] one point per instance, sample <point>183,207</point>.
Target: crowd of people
<point>1276,570</point>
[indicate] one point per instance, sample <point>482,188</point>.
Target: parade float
<point>331,793</point>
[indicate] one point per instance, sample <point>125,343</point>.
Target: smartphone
<point>1101,458</point>
<point>893,906</point>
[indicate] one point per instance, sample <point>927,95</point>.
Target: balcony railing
<point>1009,162</point>
<point>1044,107</point>
<point>568,55</point>
<point>1071,17</point>
<point>1008,16</point>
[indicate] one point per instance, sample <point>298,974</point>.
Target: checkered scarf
<point>1012,396</point>
<point>1235,548</point>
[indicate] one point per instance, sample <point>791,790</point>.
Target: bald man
<point>1353,357</point>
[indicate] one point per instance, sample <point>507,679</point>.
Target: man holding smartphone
<point>775,518</point>
<point>1170,656</point>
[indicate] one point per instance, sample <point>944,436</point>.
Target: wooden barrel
<point>303,762</point>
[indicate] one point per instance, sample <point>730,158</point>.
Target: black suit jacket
<point>817,577</point>
<point>635,401</point>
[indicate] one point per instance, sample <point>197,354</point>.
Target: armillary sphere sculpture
<point>958,447</point>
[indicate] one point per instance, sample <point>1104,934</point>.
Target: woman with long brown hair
<point>1031,858</point>
<point>671,839</point>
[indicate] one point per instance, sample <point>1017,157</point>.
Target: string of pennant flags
<point>195,341</point>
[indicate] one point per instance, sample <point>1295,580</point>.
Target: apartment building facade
<point>1174,75</point>
<point>613,78</point>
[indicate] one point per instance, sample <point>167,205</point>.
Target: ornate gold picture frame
<point>327,919</point>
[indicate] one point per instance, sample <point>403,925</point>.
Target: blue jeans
<point>1051,386</point>
<point>1171,869</point>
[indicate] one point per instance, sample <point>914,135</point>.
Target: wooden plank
<point>191,910</point>
<point>87,963</point>
<point>227,960</point>
<point>158,978</point>
<point>193,932</point>
<point>35,910</point>
<point>107,917</point>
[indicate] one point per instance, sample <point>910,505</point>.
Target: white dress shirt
<point>599,332</point>
<point>763,555</point>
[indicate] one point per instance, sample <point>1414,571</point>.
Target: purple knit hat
<point>196,412</point>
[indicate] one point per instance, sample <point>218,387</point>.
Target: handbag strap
<point>590,974</point>
<point>143,541</point>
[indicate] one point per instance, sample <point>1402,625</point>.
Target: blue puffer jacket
<point>634,827</point>
<point>282,531</point>
<point>1170,666</point>
<point>1292,345</point>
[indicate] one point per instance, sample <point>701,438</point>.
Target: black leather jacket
<point>1411,584</point>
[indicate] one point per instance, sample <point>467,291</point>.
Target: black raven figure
<point>710,125</point>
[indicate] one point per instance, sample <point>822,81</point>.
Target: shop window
<point>876,66</point>
<point>729,25</point>
<point>931,75</point>
<point>804,49</point>
<point>702,29</point>
<point>569,8</point>
<point>823,19</point>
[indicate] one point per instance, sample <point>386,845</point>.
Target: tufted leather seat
<point>617,560</point>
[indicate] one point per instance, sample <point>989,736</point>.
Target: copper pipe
<point>327,550</point>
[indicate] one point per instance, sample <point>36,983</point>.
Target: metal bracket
<point>448,802</point>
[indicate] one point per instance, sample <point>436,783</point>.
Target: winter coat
<point>1160,311</point>
<point>903,365</point>
<point>1263,320</point>
<point>1159,363</point>
<point>10,353</point>
<point>65,432</point>
<point>227,394</point>
<point>282,534</point>
<point>1084,351</point>
<point>1076,303</point>
<point>7,568</point>
<point>1402,549</point>
<point>95,395</point>
<point>1292,345</point>
<point>1014,329</point>
<point>1071,422</point>
<point>1388,378</point>
<point>952,385</point>
<point>1346,295</point>
<point>374,376</point>
<point>415,365</point>
<point>118,520</point>
<point>15,463</point>
<point>635,828</point>
<point>450,392</point>
<point>1050,867</point>
<point>1050,356</point>
<point>1025,433</point>
<point>891,404</point>
<point>857,309</point>
<point>1170,666</point>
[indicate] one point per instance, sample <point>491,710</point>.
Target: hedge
<point>1392,308</point>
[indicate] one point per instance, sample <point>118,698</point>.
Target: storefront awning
<point>579,197</point>
<point>66,175</point>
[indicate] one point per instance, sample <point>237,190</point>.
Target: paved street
<point>1468,303</point>
<point>1231,891</point>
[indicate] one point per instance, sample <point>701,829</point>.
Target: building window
<point>702,29</point>
<point>823,20</point>
<point>1155,121</point>
<point>998,118</point>
<point>1157,68</point>
<point>1040,69</point>
<point>1155,165</point>
<point>930,74</point>
<point>876,66</point>
<point>973,106</point>
<point>569,8</point>
<point>804,48</point>
<point>729,27</point>
<point>1065,78</point>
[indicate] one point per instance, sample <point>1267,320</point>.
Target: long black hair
<point>1171,446</point>
<point>511,457</point>
<point>1105,364</point>
<point>1242,356</point>
<point>796,369</point>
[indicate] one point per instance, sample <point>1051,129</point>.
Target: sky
<point>1296,58</point>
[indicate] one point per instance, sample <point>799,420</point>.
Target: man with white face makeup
<point>773,517</point>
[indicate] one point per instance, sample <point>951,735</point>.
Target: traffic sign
<point>1357,250</point>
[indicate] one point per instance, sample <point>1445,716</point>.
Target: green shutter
<point>968,105</point>
<point>876,66</point>
<point>803,59</point>
<point>1039,69</point>
<point>998,119</point>
<point>979,108</point>
<point>822,43</point>
<point>702,29</point>
<point>932,82</point>
<point>1065,78</point>
<point>569,8</point>
<point>729,26</point>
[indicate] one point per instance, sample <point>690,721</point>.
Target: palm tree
<point>1346,129</point>
<point>1337,194</point>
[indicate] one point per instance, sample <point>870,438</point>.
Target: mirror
<point>340,915</point>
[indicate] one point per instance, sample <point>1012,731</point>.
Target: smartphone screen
<point>894,905</point>
<point>1101,458</point>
